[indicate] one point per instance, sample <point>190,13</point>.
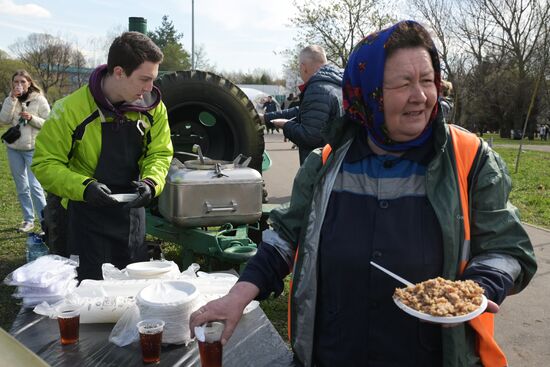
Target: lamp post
<point>192,34</point>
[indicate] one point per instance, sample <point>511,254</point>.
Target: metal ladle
<point>197,149</point>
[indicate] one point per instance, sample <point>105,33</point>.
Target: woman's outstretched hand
<point>228,309</point>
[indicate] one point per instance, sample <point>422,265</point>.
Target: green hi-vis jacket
<point>496,231</point>
<point>65,170</point>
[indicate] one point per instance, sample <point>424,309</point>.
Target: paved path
<point>540,148</point>
<point>522,325</point>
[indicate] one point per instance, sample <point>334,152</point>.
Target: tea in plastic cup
<point>150,338</point>
<point>210,345</point>
<point>68,318</point>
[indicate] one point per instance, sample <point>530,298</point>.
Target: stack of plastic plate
<point>170,301</point>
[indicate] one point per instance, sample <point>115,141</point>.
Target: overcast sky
<point>237,35</point>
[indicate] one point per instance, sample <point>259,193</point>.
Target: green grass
<point>530,194</point>
<point>12,243</point>
<point>531,185</point>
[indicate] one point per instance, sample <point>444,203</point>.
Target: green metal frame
<point>226,243</point>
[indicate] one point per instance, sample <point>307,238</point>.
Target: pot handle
<point>211,208</point>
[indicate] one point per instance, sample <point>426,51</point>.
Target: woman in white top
<point>27,107</point>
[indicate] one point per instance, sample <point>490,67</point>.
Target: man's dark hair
<point>408,35</point>
<point>130,50</point>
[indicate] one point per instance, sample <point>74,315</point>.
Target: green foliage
<point>168,40</point>
<point>165,34</point>
<point>258,76</point>
<point>175,58</point>
<point>48,56</point>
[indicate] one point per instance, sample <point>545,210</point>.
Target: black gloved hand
<point>97,194</point>
<point>146,192</point>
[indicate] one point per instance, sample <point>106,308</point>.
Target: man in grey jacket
<point>320,102</point>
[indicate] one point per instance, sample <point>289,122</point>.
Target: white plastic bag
<point>125,331</point>
<point>43,272</point>
<point>60,288</point>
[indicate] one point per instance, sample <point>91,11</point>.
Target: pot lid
<point>207,164</point>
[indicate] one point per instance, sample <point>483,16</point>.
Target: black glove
<point>146,192</point>
<point>97,194</point>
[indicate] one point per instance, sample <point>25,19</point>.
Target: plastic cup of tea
<point>18,89</point>
<point>210,345</point>
<point>68,318</point>
<point>150,338</point>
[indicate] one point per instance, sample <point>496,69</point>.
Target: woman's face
<point>21,81</point>
<point>409,93</point>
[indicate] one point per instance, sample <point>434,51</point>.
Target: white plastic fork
<point>393,275</point>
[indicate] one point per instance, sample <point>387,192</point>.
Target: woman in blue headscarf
<point>387,190</point>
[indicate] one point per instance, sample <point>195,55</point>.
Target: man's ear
<point>118,72</point>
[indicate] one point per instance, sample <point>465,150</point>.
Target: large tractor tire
<point>209,110</point>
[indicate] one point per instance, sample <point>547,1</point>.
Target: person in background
<point>386,190</point>
<point>108,137</point>
<point>320,102</point>
<point>446,100</point>
<point>543,132</point>
<point>289,102</point>
<point>270,106</point>
<point>294,102</point>
<point>27,107</point>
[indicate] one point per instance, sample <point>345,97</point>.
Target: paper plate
<point>148,268</point>
<point>442,319</point>
<point>124,198</point>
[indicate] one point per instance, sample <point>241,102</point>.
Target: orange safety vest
<point>465,147</point>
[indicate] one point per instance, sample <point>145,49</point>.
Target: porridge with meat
<point>442,297</point>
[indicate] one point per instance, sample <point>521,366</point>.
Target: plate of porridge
<point>442,301</point>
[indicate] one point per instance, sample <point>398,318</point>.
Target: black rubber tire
<point>238,128</point>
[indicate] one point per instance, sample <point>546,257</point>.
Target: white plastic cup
<point>68,318</point>
<point>210,347</point>
<point>150,337</point>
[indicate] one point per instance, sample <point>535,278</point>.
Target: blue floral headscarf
<point>363,88</point>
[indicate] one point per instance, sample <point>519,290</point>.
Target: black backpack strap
<point>78,132</point>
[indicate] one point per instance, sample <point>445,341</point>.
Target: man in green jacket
<point>108,137</point>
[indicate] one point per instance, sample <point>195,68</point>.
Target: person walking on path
<point>270,106</point>
<point>26,108</point>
